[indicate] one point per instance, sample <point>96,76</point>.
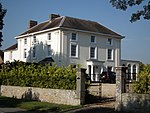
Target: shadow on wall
<point>30,95</point>
<point>40,51</point>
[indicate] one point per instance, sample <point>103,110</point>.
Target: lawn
<point>34,105</point>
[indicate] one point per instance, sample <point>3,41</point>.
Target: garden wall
<point>108,91</point>
<point>58,96</point>
<point>139,103</point>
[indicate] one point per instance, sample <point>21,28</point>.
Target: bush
<point>34,75</point>
<point>142,86</point>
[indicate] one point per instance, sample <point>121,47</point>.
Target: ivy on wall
<point>35,75</point>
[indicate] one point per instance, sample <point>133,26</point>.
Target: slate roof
<point>72,23</point>
<point>13,47</point>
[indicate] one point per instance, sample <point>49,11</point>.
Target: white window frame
<point>25,53</point>
<point>110,41</point>
<point>76,56</point>
<point>34,39</point>
<point>95,52</point>
<point>71,39</point>
<point>25,41</point>
<point>48,50</point>
<point>111,54</point>
<point>49,36</point>
<point>34,52</point>
<point>94,39</point>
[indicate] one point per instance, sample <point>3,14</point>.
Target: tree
<point>2,14</point>
<point>124,4</point>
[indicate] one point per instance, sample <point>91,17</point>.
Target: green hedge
<point>142,86</point>
<point>34,75</point>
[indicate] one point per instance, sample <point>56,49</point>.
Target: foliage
<point>34,75</point>
<point>2,14</point>
<point>143,84</point>
<point>124,4</point>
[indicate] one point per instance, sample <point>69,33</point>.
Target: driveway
<point>106,107</point>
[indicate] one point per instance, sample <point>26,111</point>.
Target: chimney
<point>32,23</point>
<point>53,16</point>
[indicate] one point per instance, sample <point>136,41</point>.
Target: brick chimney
<point>32,23</point>
<point>53,16</point>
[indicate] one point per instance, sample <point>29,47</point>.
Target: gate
<point>93,93</point>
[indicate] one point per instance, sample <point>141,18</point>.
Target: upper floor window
<point>48,50</point>
<point>25,41</point>
<point>34,39</point>
<point>74,37</point>
<point>93,52</point>
<point>34,52</point>
<point>109,41</point>
<point>93,40</point>
<point>49,36</point>
<point>110,54</point>
<point>73,50</point>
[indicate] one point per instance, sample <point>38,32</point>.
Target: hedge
<point>34,75</point>
<point>142,86</point>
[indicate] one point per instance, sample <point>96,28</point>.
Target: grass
<point>34,105</point>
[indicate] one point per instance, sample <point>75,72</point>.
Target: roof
<point>13,47</point>
<point>72,23</point>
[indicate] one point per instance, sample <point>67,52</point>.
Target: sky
<point>135,45</point>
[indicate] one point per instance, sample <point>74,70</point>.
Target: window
<point>25,53</point>
<point>25,41</point>
<point>110,54</point>
<point>93,39</point>
<point>48,50</point>
<point>129,72</point>
<point>34,51</point>
<point>134,72</point>
<point>34,39</point>
<point>92,52</point>
<point>74,37</point>
<point>73,50</point>
<point>109,41</point>
<point>49,36</point>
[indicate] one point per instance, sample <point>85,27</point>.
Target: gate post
<point>120,86</point>
<point>80,89</point>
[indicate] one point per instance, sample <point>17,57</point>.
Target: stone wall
<point>139,103</point>
<point>103,90</point>
<point>108,91</point>
<point>58,96</point>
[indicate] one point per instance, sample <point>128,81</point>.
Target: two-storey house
<point>67,40</point>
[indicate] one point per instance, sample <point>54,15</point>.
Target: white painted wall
<point>60,45</point>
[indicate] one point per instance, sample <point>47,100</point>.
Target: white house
<point>66,40</point>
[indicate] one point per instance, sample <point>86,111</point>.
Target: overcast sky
<point>135,45</point>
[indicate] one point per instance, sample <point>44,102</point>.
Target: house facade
<point>68,41</point>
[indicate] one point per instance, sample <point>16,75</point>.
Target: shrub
<point>34,75</point>
<point>142,86</point>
